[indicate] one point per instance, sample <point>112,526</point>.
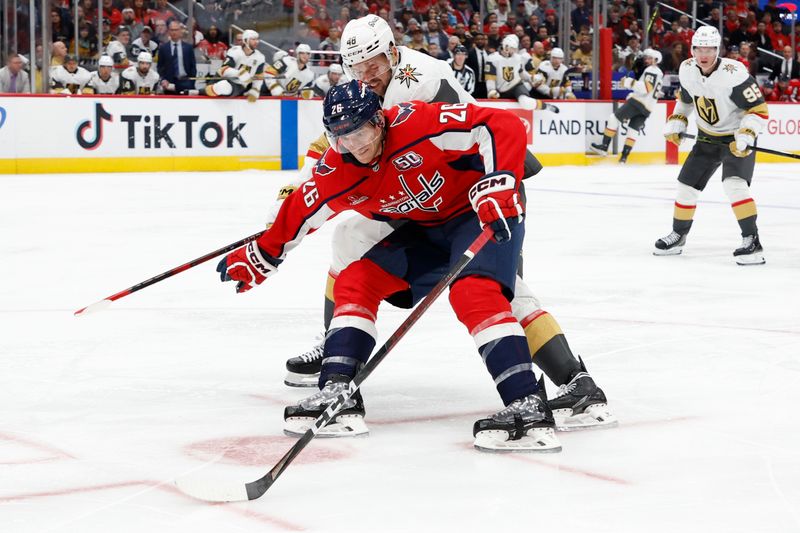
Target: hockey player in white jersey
<point>291,76</point>
<point>399,74</point>
<point>139,78</point>
<point>731,112</point>
<point>507,71</point>
<point>551,80</point>
<point>242,71</point>
<point>333,77</point>
<point>104,80</point>
<point>70,78</point>
<point>145,43</point>
<point>635,111</point>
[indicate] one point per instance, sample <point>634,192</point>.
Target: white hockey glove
<point>493,94</point>
<point>276,89</point>
<point>675,127</point>
<point>272,214</point>
<point>537,80</point>
<point>743,139</point>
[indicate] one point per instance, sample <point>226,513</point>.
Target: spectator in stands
<point>674,58</point>
<point>787,66</point>
<point>58,51</point>
<point>705,8</point>
<point>436,35</point>
<point>413,25</point>
<point>435,51</point>
<point>769,92</point>
<point>744,56</point>
<point>583,55</point>
<point>502,11</point>
<point>129,21</point>
<point>476,59</point>
<point>160,33</point>
<point>321,24</point>
<point>418,41</point>
<point>779,39</point>
<point>87,42</point>
<point>452,43</point>
<point>462,12</point>
<point>61,30</point>
<point>538,54</point>
<point>176,62</point>
<point>493,37</point>
<point>547,40</point>
<point>789,89</point>
<point>551,22</point>
<point>13,79</point>
<point>161,12</point>
<point>112,14</point>
<point>761,38</point>
<point>713,18</point>
<point>89,8</point>
<point>580,16</point>
<point>212,46</point>
<point>144,43</point>
<point>141,13</point>
<point>334,39</point>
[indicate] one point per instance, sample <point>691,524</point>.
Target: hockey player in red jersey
<point>442,171</point>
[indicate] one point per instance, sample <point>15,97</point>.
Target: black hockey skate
<point>750,252</point>
<point>672,244</point>
<point>525,425</point>
<point>348,422</point>
<point>623,158</point>
<point>551,108</point>
<point>303,370</point>
<point>599,148</point>
<point>581,404</point>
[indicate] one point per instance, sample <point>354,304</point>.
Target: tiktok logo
<point>2,116</point>
<point>100,115</point>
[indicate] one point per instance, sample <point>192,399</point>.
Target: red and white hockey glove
<point>246,265</point>
<point>495,198</point>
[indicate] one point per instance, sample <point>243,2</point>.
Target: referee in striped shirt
<point>464,74</point>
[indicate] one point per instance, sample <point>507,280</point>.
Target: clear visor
<point>355,142</point>
<point>372,68</point>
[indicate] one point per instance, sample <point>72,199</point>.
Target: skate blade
<point>597,416</point>
<point>538,440</point>
<point>671,251</point>
<point>342,426</point>
<point>751,259</point>
<point>301,380</point>
<point>597,151</point>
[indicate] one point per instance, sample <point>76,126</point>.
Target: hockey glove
<point>743,139</point>
<point>494,198</point>
<point>627,82</point>
<point>246,265</point>
<point>252,95</point>
<point>675,127</point>
<point>272,214</point>
<point>493,94</point>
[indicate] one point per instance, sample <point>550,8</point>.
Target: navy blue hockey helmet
<point>346,109</point>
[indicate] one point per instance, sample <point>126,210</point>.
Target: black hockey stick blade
<point>212,491</point>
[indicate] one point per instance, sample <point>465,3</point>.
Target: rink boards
<point>48,133</point>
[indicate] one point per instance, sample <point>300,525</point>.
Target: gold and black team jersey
<point>63,81</point>
<point>133,82</point>
<point>722,98</point>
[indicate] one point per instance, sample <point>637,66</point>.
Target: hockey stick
<point>221,492</point>
<point>754,148</point>
<point>104,303</point>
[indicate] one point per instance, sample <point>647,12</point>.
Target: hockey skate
<point>672,244</point>
<point>303,370</point>
<point>623,158</point>
<point>750,252</point>
<point>598,148</point>
<point>526,425</point>
<point>551,108</point>
<point>581,404</point>
<point>348,422</point>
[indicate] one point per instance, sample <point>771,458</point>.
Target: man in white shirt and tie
<point>788,66</point>
<point>476,60</point>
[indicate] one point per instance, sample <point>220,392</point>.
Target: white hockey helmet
<point>144,57</point>
<point>336,68</point>
<point>366,38</point>
<point>707,37</point>
<point>106,61</point>
<point>302,49</point>
<point>510,42</point>
<point>557,53</point>
<point>249,34</point>
<point>654,54</point>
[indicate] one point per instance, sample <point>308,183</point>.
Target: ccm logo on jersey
<point>490,184</point>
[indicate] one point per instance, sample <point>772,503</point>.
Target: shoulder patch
<point>407,75</point>
<point>404,112</point>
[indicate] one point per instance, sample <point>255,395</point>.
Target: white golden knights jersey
<point>721,99</point>
<point>289,76</point>
<point>100,86</point>
<point>419,76</point>
<point>116,51</point>
<point>322,85</point>
<point>239,61</point>
<point>63,80</point>
<point>133,82</point>
<point>646,87</point>
<point>504,73</point>
<point>555,84</point>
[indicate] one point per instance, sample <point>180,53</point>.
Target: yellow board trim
<point>540,331</point>
<point>51,165</point>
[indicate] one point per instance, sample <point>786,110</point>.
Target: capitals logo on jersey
<point>407,74</point>
<point>322,168</point>
<point>407,200</point>
<point>406,110</point>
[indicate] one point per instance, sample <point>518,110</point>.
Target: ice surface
<point>98,415</point>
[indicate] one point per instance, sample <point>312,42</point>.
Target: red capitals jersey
<point>432,155</point>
